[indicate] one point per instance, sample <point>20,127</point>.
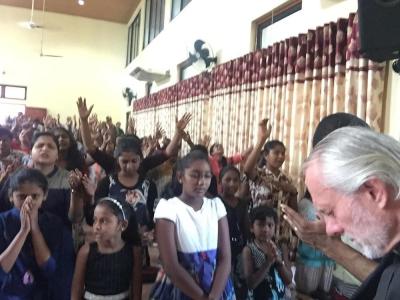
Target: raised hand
<point>48,121</point>
<point>84,112</point>
<point>264,130</point>
<point>131,126</point>
<point>69,121</point>
<point>186,136</point>
<point>160,132</point>
<point>75,179</point>
<point>89,185</point>
<point>205,141</point>
<point>310,232</point>
<point>182,122</point>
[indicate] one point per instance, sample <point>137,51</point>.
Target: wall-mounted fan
<point>202,52</point>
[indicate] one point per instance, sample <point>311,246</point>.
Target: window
<point>177,6</point>
<point>133,39</point>
<point>186,70</point>
<point>273,17</point>
<point>12,92</point>
<point>154,19</point>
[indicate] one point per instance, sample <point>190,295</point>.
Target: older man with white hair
<point>353,176</point>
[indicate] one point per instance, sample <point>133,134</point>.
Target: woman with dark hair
<point>69,157</point>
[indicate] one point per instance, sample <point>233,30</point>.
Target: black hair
<point>271,145</point>
<point>25,175</point>
<point>74,157</point>
<point>226,169</point>
<point>5,132</point>
<point>333,122</point>
<point>128,144</point>
<point>132,136</point>
<point>189,158</point>
<point>261,212</point>
<point>37,135</point>
<point>200,148</point>
<point>115,206</point>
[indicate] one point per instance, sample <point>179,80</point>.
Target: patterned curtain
<point>294,83</point>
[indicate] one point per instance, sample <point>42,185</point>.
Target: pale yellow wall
<point>228,26</point>
<point>92,64</point>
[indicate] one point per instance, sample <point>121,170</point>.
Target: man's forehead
<point>313,171</point>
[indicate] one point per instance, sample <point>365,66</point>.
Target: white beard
<point>373,243</point>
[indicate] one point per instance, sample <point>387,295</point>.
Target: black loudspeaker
<point>379,24</point>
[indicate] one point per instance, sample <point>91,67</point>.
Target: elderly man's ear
<point>379,192</point>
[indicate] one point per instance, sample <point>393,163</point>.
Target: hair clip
<point>116,203</point>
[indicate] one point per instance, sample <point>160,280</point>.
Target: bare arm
<point>84,113</point>
<point>253,278</point>
<point>136,286</point>
<point>186,137</point>
<point>284,266</point>
<point>314,234</point>
<point>224,260</point>
<point>75,213</point>
<point>165,232</point>
<point>352,260</point>
<point>264,131</point>
<point>78,281</point>
<point>172,147</point>
<point>10,255</point>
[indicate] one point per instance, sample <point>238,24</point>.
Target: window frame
<point>133,39</point>
<point>154,20</point>
<point>177,6</point>
<point>3,92</point>
<point>275,16</point>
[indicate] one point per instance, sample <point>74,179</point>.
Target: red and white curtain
<point>294,83</point>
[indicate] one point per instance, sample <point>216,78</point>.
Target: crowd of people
<point>83,203</point>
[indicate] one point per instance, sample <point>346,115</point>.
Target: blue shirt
<point>27,280</point>
<point>58,197</point>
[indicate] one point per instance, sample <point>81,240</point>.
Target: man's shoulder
<point>384,282</point>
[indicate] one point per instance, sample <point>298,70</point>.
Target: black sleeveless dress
<point>109,274</point>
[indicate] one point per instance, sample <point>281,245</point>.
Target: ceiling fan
<point>30,24</point>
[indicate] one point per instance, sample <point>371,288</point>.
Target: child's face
<point>196,179</point>
<point>263,230</point>
<point>129,163</point>
<point>45,151</point>
<point>105,224</point>
<point>276,157</point>
<point>26,190</point>
<point>230,183</point>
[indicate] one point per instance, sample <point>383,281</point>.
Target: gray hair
<point>350,156</point>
